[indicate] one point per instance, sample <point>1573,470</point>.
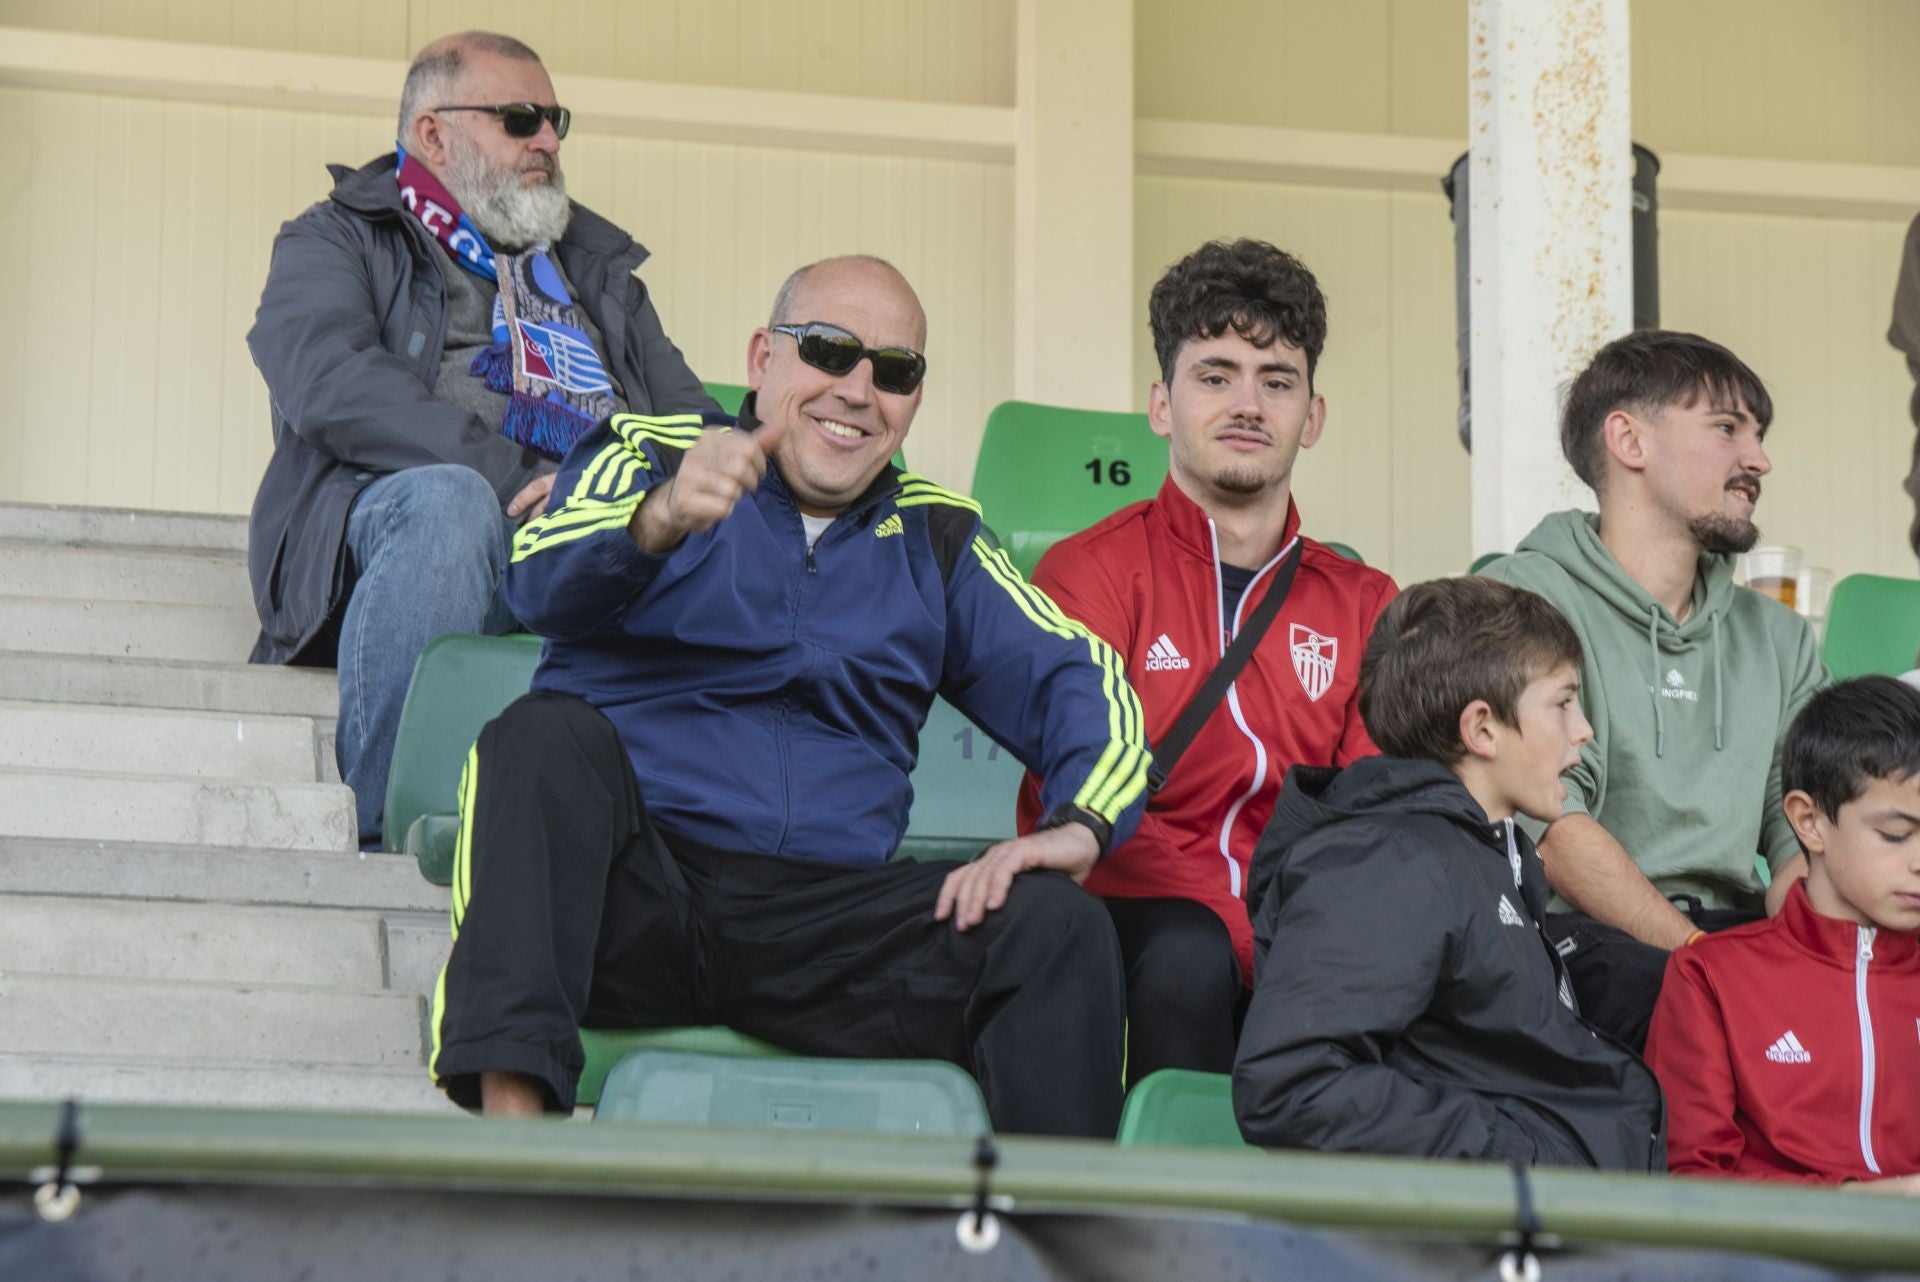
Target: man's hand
<point>722,468</point>
<point>531,501</point>
<point>970,893</point>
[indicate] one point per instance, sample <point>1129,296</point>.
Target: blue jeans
<point>428,548</point>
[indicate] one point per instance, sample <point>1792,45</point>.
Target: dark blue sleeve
<point>1046,687</point>
<point>575,567</point>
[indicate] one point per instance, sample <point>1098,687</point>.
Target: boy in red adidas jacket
<point>1790,1048</point>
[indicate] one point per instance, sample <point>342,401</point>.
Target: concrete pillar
<point>1549,120</point>
<point>1073,310</point>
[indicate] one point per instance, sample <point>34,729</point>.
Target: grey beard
<point>1723,534</point>
<point>511,216</point>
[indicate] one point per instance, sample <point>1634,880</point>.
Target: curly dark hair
<point>1647,371</point>
<point>1262,293</point>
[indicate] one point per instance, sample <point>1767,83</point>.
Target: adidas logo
<point>1509,915</point>
<point>1788,1050</point>
<point>892,525</point>
<point>1162,657</point>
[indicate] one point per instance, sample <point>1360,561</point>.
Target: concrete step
<point>215,874</point>
<point>120,807</point>
<point>147,741</point>
<point>158,1019</point>
<point>197,632</point>
<point>132,939</point>
<point>121,527</point>
<point>217,1082</point>
<point>417,945</point>
<point>168,683</point>
<point>166,576</point>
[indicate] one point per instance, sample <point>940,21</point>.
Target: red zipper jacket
<point>1147,581</point>
<point>1790,1049</point>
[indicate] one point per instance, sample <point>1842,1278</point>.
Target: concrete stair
<point>184,915</point>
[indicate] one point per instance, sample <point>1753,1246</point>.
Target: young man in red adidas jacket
<point>1238,329</point>
<point>1790,1048</point>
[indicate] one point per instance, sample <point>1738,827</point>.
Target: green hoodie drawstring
<point>1718,721</point>
<point>1653,690</point>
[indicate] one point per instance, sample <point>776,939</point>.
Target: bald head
<point>790,305</point>
<point>436,70</point>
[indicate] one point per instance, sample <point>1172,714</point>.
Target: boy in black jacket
<point>1406,1000</point>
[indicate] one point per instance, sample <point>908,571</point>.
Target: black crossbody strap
<point>1195,715</point>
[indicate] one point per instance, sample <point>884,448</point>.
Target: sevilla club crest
<point>1314,657</point>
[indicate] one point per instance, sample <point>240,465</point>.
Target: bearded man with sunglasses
<point>434,336</point>
<point>692,818</point>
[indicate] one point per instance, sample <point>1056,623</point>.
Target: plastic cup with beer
<point>1774,570</point>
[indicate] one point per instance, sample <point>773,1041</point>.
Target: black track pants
<point>571,910</point>
<point>1184,996</point>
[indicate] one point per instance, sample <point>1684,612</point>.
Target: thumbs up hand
<point>720,469</point>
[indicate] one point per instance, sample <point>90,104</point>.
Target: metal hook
<point>58,1198</point>
<point>979,1228</point>
<point>1519,1266</point>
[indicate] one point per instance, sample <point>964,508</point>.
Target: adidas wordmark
<point>1162,657</point>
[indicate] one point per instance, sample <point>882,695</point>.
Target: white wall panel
<point>939,50</point>
<point>147,228</point>
<point>1389,476</point>
<point>1805,302</point>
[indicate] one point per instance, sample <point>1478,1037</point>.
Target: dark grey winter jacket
<point>349,337</point>
<point>1406,1000</point>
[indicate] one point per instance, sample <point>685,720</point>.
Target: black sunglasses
<point>522,119</point>
<point>830,348</point>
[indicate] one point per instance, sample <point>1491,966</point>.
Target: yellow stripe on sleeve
<point>1120,775</point>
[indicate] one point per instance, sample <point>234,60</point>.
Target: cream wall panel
<point>1388,476</point>
<point>1812,79</point>
<point>1806,302</point>
<point>1826,80</point>
<point>149,226</point>
<point>1372,66</point>
<point>937,50</point>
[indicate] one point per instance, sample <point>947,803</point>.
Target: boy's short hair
<point>1648,370</point>
<point>1849,735</point>
<point>1260,292</point>
<point>1445,643</point>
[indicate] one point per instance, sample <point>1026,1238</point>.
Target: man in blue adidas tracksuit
<point>689,820</point>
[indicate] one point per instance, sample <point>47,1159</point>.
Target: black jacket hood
<point>1315,796</point>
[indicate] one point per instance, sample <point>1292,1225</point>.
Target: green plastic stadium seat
<point>896,1097</point>
<point>1484,560</point>
<point>964,788</point>
<point>1873,626</point>
<point>1346,551</point>
<point>1177,1107</point>
<point>1044,473</point>
<point>728,394</point>
<point>461,683</point>
<point>606,1047</point>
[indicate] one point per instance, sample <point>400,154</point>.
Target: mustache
<point>1248,425</point>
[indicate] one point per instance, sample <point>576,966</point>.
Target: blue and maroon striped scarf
<point>541,357</point>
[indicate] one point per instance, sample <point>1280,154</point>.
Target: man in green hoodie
<point>1690,681</point>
